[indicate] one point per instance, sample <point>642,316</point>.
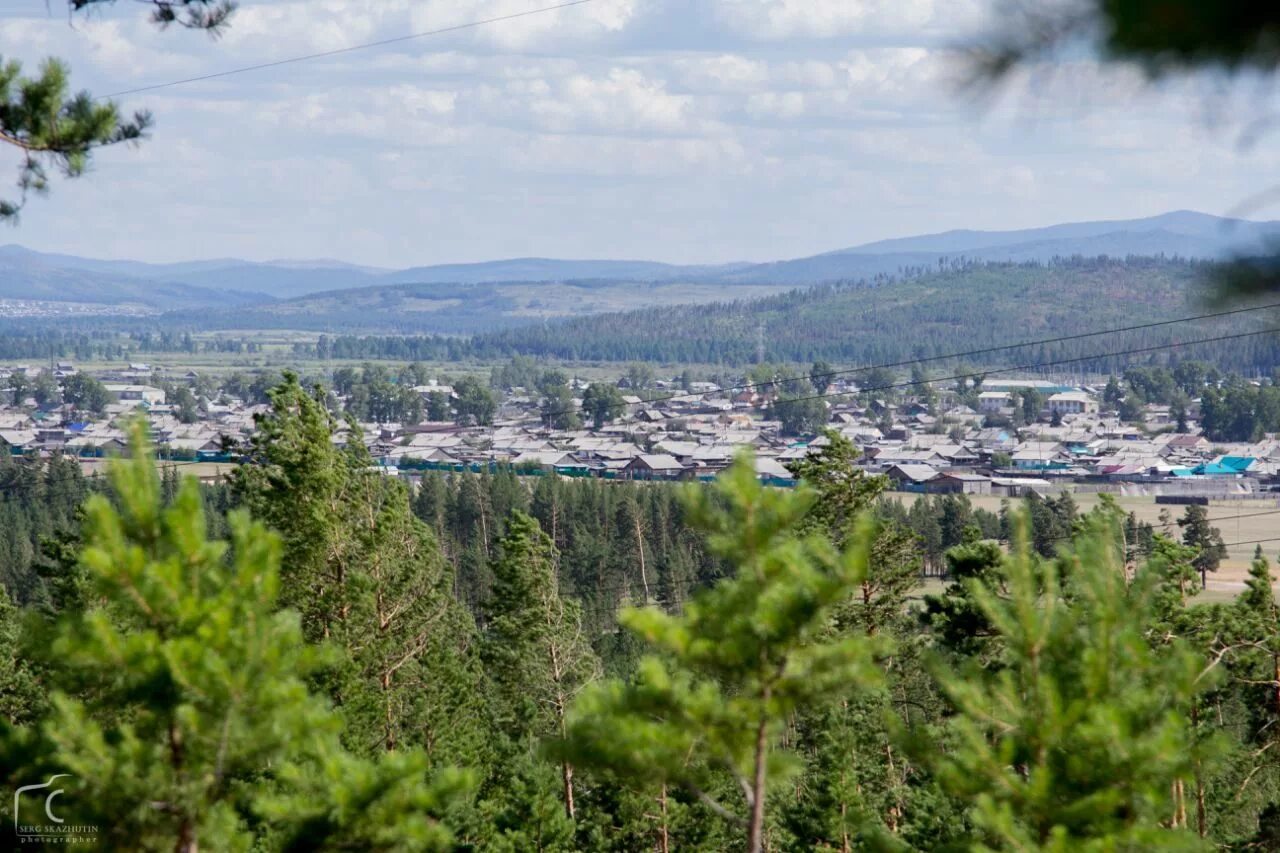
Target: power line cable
<point>1023,345</point>
<point>689,395</point>
<point>984,373</point>
<point>350,49</point>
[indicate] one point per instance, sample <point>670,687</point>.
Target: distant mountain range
<point>280,289</point>
<point>1182,233</point>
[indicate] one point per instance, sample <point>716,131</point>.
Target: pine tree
<point>535,650</point>
<point>954,616</point>
<point>179,706</point>
<point>636,556</point>
<point>853,785</point>
<point>1206,539</point>
<point>843,489</point>
<point>299,486</point>
<point>1075,742</point>
<point>53,129</point>
<point>20,691</point>
<point>1245,637</point>
<point>365,574</point>
<point>1178,411</point>
<point>727,673</point>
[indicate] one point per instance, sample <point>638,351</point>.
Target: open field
<point>200,470</point>
<point>1242,524</point>
<point>1219,591</point>
<point>274,351</point>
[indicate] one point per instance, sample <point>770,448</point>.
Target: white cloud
<point>284,29</point>
<point>618,157</point>
<point>94,47</point>
<point>622,100</point>
<point>720,130</point>
<point>870,19</point>
<point>577,24</point>
<point>723,73</point>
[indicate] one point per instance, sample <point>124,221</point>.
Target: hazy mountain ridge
<point>1221,234</point>
<point>24,276</point>
<point>234,284</point>
<point>551,269</point>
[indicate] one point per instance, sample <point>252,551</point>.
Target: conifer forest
<point>311,657</point>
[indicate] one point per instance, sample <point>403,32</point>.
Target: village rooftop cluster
<point>928,443</point>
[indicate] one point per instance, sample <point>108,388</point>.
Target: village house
<point>1034,455</point>
<point>653,466</point>
<point>959,483</point>
<point>910,477</point>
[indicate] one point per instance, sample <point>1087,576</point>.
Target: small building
<point>995,439</point>
<point>956,454</point>
<point>97,445</point>
<point>654,466</point>
<point>1187,444</point>
<point>410,457</point>
<point>957,483</point>
<point>1226,466</point>
<point>17,439</point>
<point>910,478</point>
<point>194,445</point>
<point>773,472</point>
<point>1036,455</point>
<point>1019,487</point>
<point>547,460</point>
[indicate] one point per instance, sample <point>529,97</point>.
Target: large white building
<point>1072,403</point>
<point>148,394</point>
<point>994,401</point>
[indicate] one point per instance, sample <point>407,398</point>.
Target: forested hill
<point>962,306</point>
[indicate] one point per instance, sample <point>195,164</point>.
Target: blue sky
<point>694,131</point>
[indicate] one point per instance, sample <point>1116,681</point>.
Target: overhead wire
<point>983,373</point>
<point>324,54</point>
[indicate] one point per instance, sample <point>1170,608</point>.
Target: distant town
<point>928,440</point>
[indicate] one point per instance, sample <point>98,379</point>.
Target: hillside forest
<point>920,312</point>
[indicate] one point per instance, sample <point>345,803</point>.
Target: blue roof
<point>1227,465</point>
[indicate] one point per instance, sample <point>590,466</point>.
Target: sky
<point>677,130</point>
